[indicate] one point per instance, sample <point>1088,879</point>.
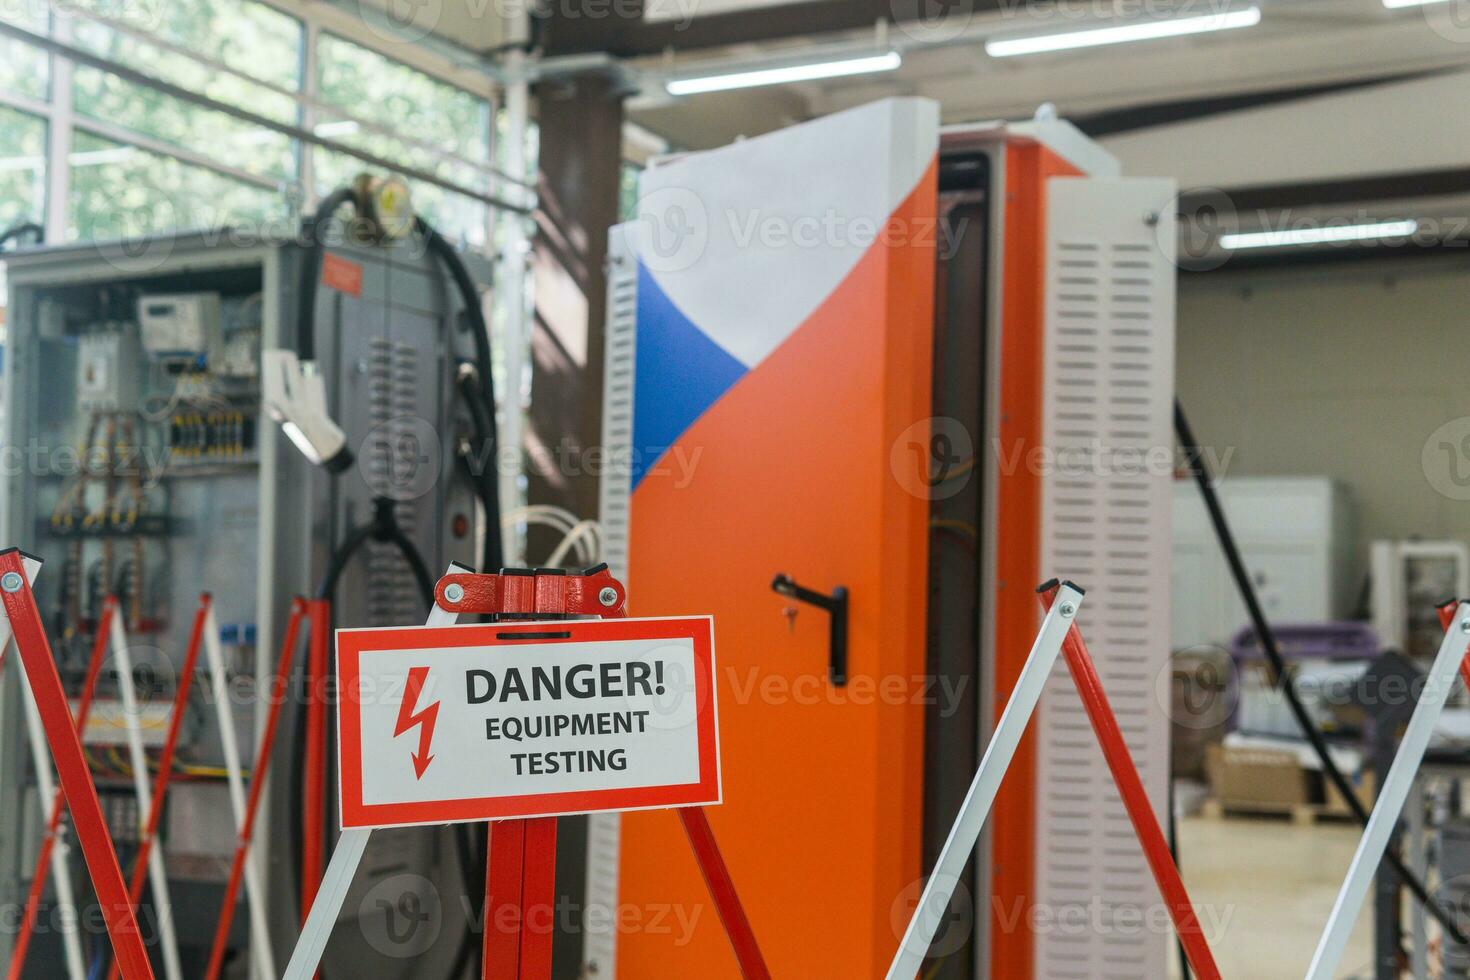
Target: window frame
<point>313,23</point>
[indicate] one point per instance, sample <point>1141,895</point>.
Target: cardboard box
<point>1270,781</point>
<point>1202,696</point>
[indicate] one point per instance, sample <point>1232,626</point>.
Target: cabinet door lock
<point>836,607</point>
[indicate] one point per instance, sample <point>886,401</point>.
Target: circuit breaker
<point>107,372</point>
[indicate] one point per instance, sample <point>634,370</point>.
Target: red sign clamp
<point>534,594</point>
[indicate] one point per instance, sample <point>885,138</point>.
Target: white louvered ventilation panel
<point>599,955</point>
<point>617,398</point>
<point>1106,508</point>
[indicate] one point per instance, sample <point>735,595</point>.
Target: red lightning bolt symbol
<point>408,719</point>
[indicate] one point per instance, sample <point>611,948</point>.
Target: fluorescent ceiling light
<point>1320,236</point>
<point>781,76</point>
<point>1008,47</point>
<point>1401,4</point>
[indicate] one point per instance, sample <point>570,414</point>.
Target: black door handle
<point>836,607</point>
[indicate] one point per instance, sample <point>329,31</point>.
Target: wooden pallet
<point>1303,814</point>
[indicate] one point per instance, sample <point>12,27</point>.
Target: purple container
<point>1311,641</point>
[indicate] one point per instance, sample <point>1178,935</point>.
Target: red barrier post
<point>314,794</point>
<point>520,878</point>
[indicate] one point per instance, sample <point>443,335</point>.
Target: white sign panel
<point>488,722</point>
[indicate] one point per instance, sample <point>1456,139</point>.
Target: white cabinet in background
<point>1296,536</point>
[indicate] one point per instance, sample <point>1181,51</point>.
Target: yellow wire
<point>213,772</point>
<point>958,471</point>
<point>955,526</point>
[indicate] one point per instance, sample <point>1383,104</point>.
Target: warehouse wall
<point>1347,371</point>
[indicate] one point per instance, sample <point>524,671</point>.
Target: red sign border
<point>352,643</point>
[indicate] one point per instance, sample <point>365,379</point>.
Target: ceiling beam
<point>619,27</point>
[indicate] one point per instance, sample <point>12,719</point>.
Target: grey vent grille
<point>393,401</point>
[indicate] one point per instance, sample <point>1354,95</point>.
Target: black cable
<point>483,472</point>
<point>481,417</point>
<point>1184,971</point>
<point>478,390</point>
<point>488,482</point>
<point>24,228</point>
<point>311,269</point>
<point>384,527</point>
<point>1363,608</point>
<point>1194,459</point>
<point>480,402</point>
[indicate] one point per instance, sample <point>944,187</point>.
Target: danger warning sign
<point>466,723</point>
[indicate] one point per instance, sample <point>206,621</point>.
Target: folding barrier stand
<point>277,696</point>
<point>1058,633</point>
<point>939,889</point>
<point>327,895</point>
<point>1135,798</point>
<point>148,863</point>
<point>521,874</point>
<point>1395,791</point>
<point>204,634</point>
<point>521,870</point>
<point>143,861</point>
<point>53,854</point>
<point>148,858</point>
<point>23,622</point>
<point>262,957</point>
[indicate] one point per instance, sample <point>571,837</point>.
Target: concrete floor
<point>1265,887</point>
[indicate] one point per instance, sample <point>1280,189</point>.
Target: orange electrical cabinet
<point>784,395</point>
<point>780,294</point>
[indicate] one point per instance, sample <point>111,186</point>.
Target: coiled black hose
<point>311,268</point>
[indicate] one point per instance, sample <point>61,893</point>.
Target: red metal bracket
<point>534,594</point>
<point>71,767</point>
<point>1135,797</point>
<point>520,880</point>
<point>1446,611</point>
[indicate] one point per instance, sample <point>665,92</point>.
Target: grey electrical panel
<point>144,468</point>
